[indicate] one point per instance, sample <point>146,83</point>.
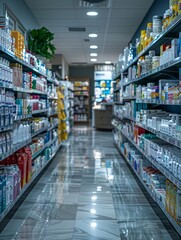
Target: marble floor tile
<point>88,188</point>
<point>54,211</point>
<point>96,230</point>
<point>130,199</point>
<point>145,229</point>
<point>49,230</point>
<point>95,211</point>
<point>135,212</point>
<point>96,197</point>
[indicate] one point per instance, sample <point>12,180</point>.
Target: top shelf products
<point>157,33</point>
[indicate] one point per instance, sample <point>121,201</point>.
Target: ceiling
<point>115,26</point>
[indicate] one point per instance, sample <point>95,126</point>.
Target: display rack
<point>32,112</point>
<point>130,108</point>
<point>81,100</point>
<point>153,196</point>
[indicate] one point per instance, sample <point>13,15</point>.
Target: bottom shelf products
<point>161,189</point>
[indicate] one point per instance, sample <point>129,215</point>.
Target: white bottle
<point>20,133</point>
<point>15,134</point>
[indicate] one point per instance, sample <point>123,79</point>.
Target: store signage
<point>103,75</point>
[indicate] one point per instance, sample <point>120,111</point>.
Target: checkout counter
<point>102,116</point>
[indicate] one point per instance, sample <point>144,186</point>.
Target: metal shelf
<point>129,98</point>
<point>159,102</point>
<point>129,117</point>
<point>40,151</point>
<point>5,129</point>
<point>71,89</point>
<point>54,140</point>
<point>118,75</point>
<point>52,127</point>
<point>40,111</point>
<point>10,56</point>
<point>6,85</point>
<point>31,91</point>
<point>18,118</point>
<point>161,135</point>
<point>80,95</point>
<point>53,113</point>
<point>174,63</point>
<point>52,81</point>
<point>162,169</point>
<point>117,89</point>
<point>12,204</point>
<point>125,116</point>
<point>118,103</point>
<point>38,132</point>
<point>14,149</point>
<point>153,196</point>
<point>157,41</point>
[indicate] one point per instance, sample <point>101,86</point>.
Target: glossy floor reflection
<point>88,193</point>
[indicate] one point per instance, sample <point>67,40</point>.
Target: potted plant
<point>39,42</point>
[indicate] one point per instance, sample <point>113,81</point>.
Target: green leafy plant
<point>39,42</point>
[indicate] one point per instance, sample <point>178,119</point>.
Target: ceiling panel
<point>46,4</point>
<point>134,4</point>
<point>115,26</point>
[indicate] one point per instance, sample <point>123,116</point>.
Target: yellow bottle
<point>142,40</point>
<point>173,9</point>
<point>148,34</point>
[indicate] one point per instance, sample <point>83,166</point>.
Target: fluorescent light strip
<point>93,46</point>
<point>93,35</point>
<point>93,54</point>
<point>93,60</point>
<point>92,14</point>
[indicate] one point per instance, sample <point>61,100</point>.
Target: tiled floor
<point>88,193</point>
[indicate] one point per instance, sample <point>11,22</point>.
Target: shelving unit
<point>33,178</point>
<point>153,196</point>
<point>31,103</point>
<point>162,169</point>
<point>134,114</point>
<point>81,100</point>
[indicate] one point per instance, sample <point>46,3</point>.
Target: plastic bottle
<point>15,134</point>
<point>137,46</point>
<point>24,132</point>
<point>157,24</point>
<point>167,18</point>
<point>148,34</point>
<point>20,133</point>
<point>142,40</point>
<point>139,67</point>
<point>173,9</point>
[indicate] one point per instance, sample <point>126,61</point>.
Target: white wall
<point>22,12</point>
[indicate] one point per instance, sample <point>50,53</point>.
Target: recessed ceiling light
<point>93,60</point>
<point>93,54</point>
<point>92,13</point>
<point>93,35</point>
<point>107,62</point>
<point>93,46</point>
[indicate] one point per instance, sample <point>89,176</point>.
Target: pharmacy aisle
<point>88,192</point>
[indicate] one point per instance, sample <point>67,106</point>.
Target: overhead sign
<point>103,75</point>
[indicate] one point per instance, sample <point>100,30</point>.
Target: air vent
<point>77,29</point>
<point>94,3</point>
<point>79,63</point>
